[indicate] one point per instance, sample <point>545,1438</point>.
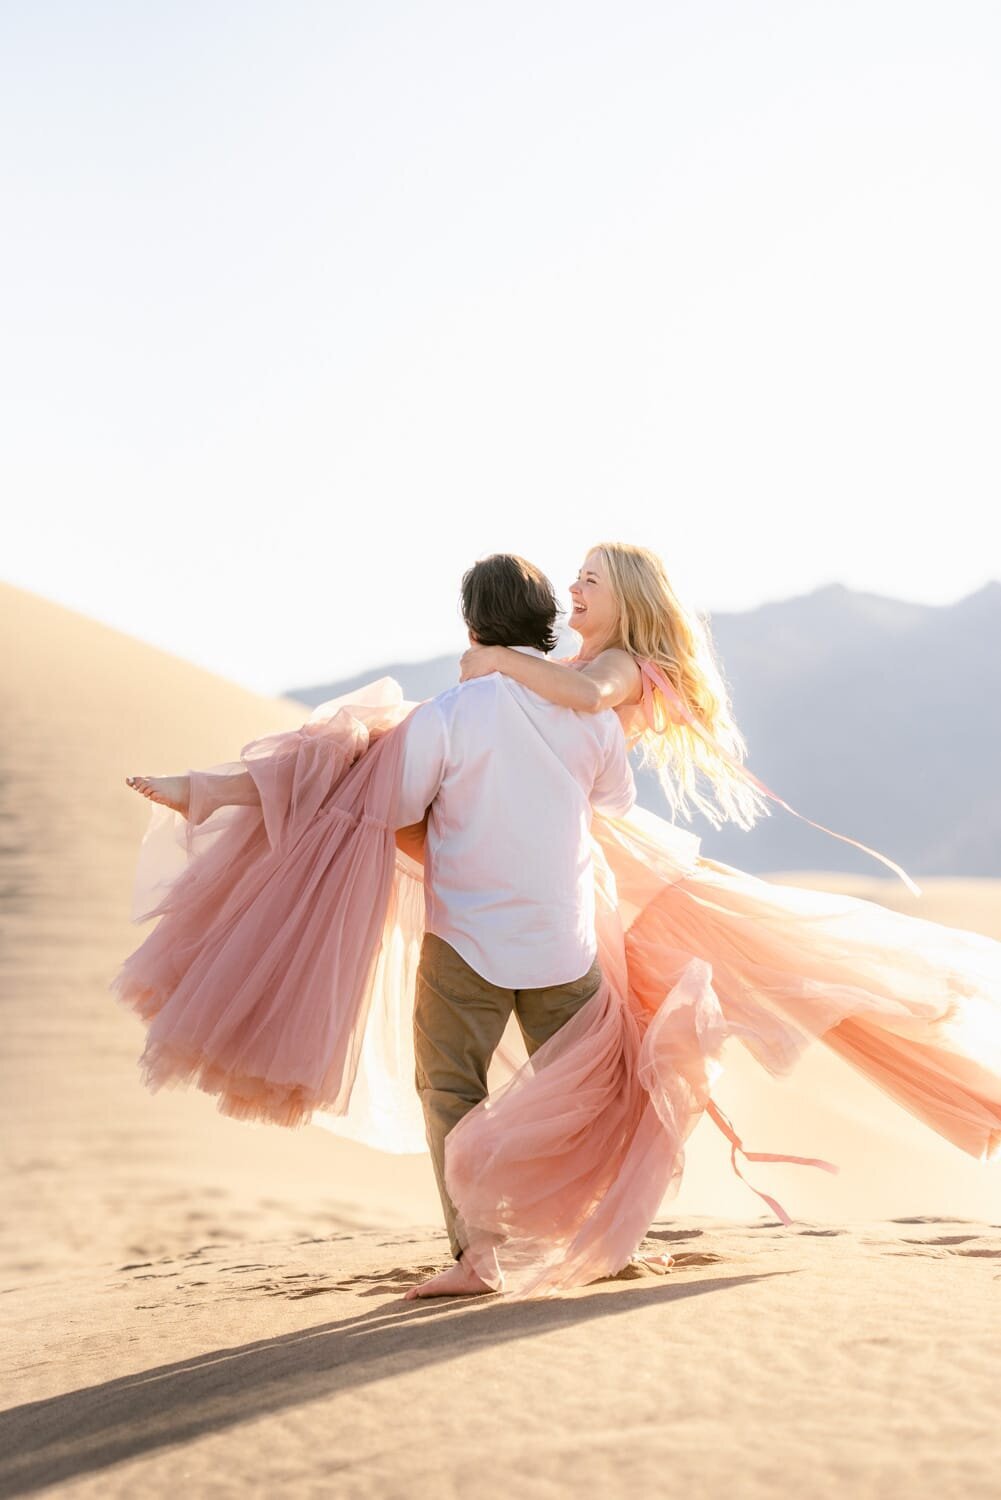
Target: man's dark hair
<point>508,602</point>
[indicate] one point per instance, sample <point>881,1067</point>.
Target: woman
<point>559,1179</point>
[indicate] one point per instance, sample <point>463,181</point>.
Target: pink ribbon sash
<point>719,1118</point>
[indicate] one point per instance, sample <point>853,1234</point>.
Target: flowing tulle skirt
<point>280,978</point>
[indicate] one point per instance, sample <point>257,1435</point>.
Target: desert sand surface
<point>188,1301</point>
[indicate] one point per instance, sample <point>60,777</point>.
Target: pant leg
<point>542,1012</point>
<point>459,1018</point>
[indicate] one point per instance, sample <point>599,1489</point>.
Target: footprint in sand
<point>948,1244</point>
<point>405,1274</point>
<point>673,1234</point>
<point>928,1219</point>
<point>378,1283</point>
<point>307,1291</point>
<point>945,1239</point>
<point>686,1258</point>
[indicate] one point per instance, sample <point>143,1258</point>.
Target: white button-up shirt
<point>510,780</point>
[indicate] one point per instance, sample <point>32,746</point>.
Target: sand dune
<point>771,1362</point>
<point>189,1300</point>
<point>96,1165</point>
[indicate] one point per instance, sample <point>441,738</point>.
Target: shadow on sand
<point>50,1442</point>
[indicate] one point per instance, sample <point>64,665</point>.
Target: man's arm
<point>425,755</point>
<point>614,790</point>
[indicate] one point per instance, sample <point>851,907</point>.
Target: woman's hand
<point>479,661</point>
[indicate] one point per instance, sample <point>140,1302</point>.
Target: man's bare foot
<point>459,1280</point>
<point>172,791</point>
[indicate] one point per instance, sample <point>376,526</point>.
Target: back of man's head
<point>508,602</point>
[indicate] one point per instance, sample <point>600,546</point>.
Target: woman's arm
<point>611,679</point>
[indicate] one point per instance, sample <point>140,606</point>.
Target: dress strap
<point>719,1118</point>
<point>678,711</point>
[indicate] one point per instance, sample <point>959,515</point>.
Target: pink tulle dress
<point>280,978</point>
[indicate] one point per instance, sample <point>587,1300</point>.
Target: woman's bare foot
<point>459,1280</point>
<point>172,791</point>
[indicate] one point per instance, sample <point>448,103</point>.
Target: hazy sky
<point>306,306</point>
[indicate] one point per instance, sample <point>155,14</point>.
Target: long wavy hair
<point>656,625</point>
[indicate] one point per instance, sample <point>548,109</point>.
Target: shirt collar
<point>529,651</point>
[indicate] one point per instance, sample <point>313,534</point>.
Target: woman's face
<point>595,614</point>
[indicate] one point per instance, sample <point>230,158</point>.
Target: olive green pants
<point>459,1019</point>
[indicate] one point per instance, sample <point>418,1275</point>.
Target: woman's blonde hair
<point>656,626</point>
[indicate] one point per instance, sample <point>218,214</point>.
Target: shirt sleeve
<point>425,753</point>
<point>614,790</point>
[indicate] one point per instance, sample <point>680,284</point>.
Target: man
<point>508,781</point>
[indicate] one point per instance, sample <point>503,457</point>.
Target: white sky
<point>306,306</point>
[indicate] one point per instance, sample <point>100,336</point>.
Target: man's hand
<point>479,661</point>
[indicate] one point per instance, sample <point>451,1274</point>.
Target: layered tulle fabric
<point>281,978</point>
<point>258,979</point>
